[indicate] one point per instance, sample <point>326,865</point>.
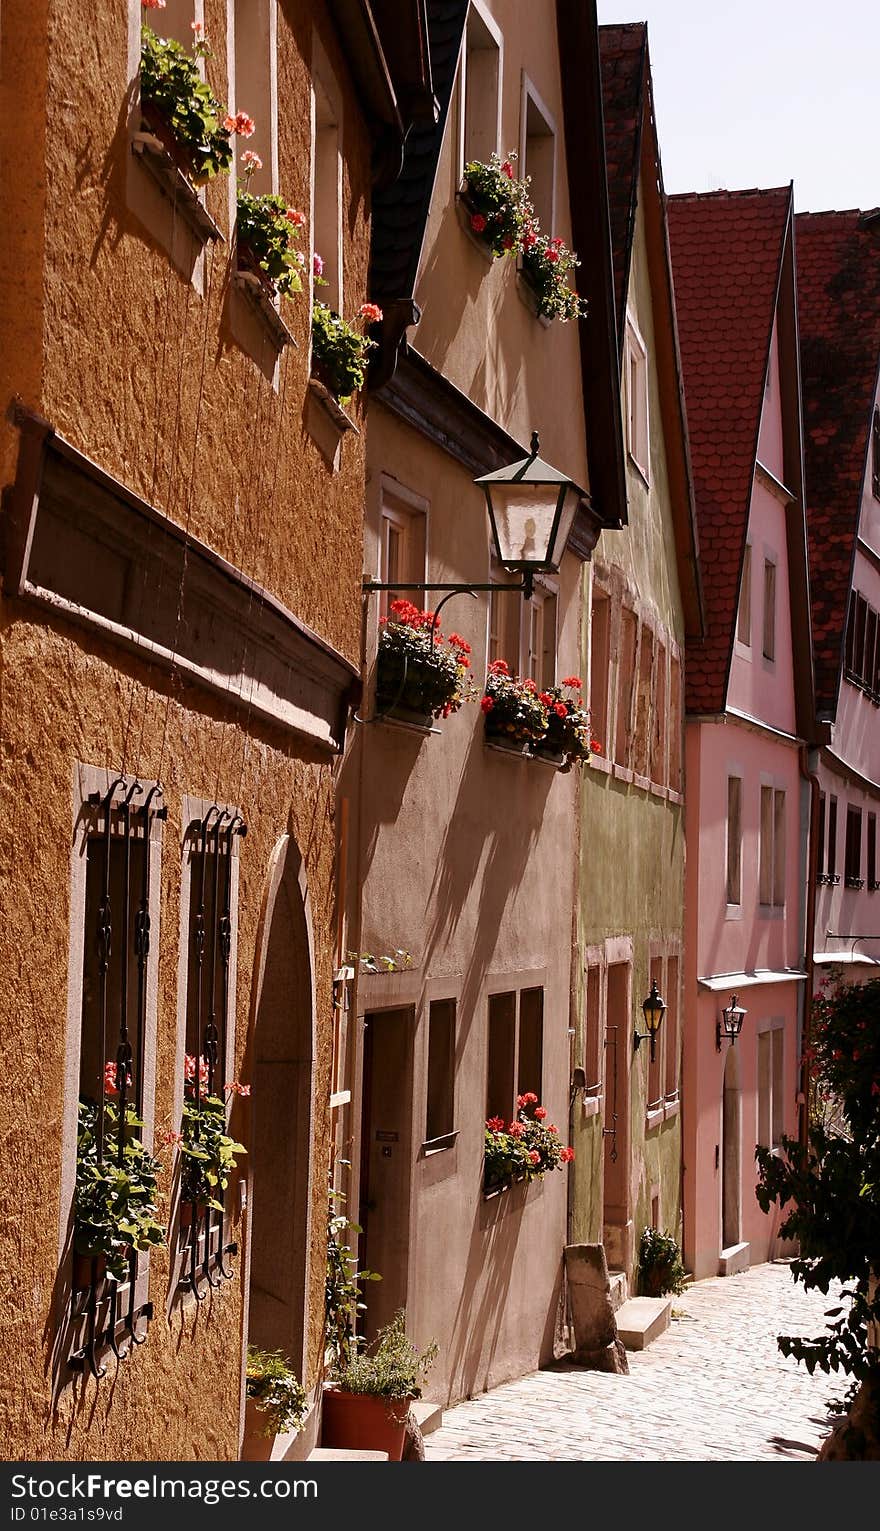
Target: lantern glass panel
<point>523,518</point>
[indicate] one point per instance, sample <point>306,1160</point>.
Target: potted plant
<point>497,203</point>
<point>546,264</point>
<point>265,233</point>
<point>181,110</point>
<point>524,1149</point>
<point>660,1268</point>
<point>339,351</point>
<point>115,1200</point>
<point>514,713</point>
<point>208,1153</point>
<point>342,1292</point>
<point>367,1407</point>
<point>568,739</point>
<point>420,674</point>
<point>276,1402</point>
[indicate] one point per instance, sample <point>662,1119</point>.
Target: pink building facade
<point>749,712</point>
<point>839,319</point>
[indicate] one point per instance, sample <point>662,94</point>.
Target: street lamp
<point>531,508</point>
<point>653,1009</point>
<point>731,1023</point>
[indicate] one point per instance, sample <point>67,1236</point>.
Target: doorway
<point>280,1152</point>
<point>731,1153</point>
<point>386,1162</point>
<point>617,1235</point>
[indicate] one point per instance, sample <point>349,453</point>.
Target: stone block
<point>641,1319</point>
<point>592,1303</point>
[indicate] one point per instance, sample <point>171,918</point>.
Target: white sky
<point>762,92</point>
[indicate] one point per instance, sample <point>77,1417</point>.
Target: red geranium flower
<point>535,1156</point>
<point>573,680</point>
<point>560,709</point>
<point>516,1129</point>
<point>540,1113</point>
<point>487,704</point>
<point>478,222</point>
<point>495,1124</point>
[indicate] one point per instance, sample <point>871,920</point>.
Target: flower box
<point>258,288</point>
<point>420,673</point>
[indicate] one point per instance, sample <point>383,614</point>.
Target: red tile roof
<point>727,251</point>
<point>623,52</point>
<point>838,285</point>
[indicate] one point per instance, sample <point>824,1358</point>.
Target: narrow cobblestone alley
<point>714,1387</point>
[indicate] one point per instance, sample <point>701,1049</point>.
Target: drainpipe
<point>812,781</point>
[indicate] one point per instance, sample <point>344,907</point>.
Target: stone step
<point>619,1288</point>
<point>344,1454</point>
<point>735,1258</point>
<point>428,1416</point>
<point>641,1319</point>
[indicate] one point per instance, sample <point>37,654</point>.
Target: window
<point>744,615</point>
<point>862,647</point>
<point>636,388</point>
<point>852,867</point>
<point>516,1050</point>
<point>626,668</point>
<point>209,923</point>
<point>523,633</point>
<point>440,1113</point>
<point>600,616</point>
<point>772,849</point>
<point>538,156</point>
<point>734,839</point>
<point>675,723</point>
<point>480,87</point>
<point>255,87</point>
<point>820,848</point>
<point>114,905</point>
<point>539,660</point>
<point>832,840</point>
<point>658,731</point>
<point>641,732</point>
<point>402,544</point>
<point>771,1086</point>
<point>594,1031</point>
<point>872,853</point>
<point>670,1024</point>
<point>327,161</point>
<point>769,643</point>
<point>875,455</point>
<point>530,1062</point>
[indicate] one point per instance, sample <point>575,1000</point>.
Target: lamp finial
<point>536,445</point>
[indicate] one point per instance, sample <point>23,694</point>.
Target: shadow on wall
<point>486,848</point>
<point>477,1328</point>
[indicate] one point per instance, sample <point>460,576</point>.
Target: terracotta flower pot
<point>362,1422</point>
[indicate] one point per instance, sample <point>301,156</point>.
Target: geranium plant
<point>115,1200</point>
<point>526,1148</point>
<point>547,264</point>
<point>568,723</point>
<point>339,351</point>
<point>172,86</point>
<point>209,1154</point>
<point>419,668</point>
<point>275,1389</point>
<point>342,1291</point>
<point>267,228</point>
<point>514,711</point>
<point>498,203</point>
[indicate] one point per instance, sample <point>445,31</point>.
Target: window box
<point>854,882</point>
<point>258,287</point>
<point>171,167</point>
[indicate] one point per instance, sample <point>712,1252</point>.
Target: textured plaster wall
<point>632,840</point>
<point>101,334</point>
<point>467,860</point>
<point>476,324</point>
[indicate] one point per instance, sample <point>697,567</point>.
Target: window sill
<point>644,782</point>
<point>654,1117</point>
<point>158,163</point>
<point>856,883</point>
<point>591,1105</point>
<point>658,790</point>
<point>675,797</point>
<point>733,912</point>
<point>672,1107</point>
<point>442,1145</point>
<point>601,763</point>
<point>623,773</point>
<point>327,422</point>
<point>771,911</point>
<point>642,472</point>
<point>389,720</point>
<point>827,879</point>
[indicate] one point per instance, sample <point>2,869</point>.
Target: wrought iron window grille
<point>107,1308</point>
<point>202,1228</point>
<point>828,879</point>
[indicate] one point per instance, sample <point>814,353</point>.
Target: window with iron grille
<point>209,929</point>
<point>115,1200</point>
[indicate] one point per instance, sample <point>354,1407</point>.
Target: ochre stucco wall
<point>101,335</point>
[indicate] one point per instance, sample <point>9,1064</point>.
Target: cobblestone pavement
<point>714,1388</point>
